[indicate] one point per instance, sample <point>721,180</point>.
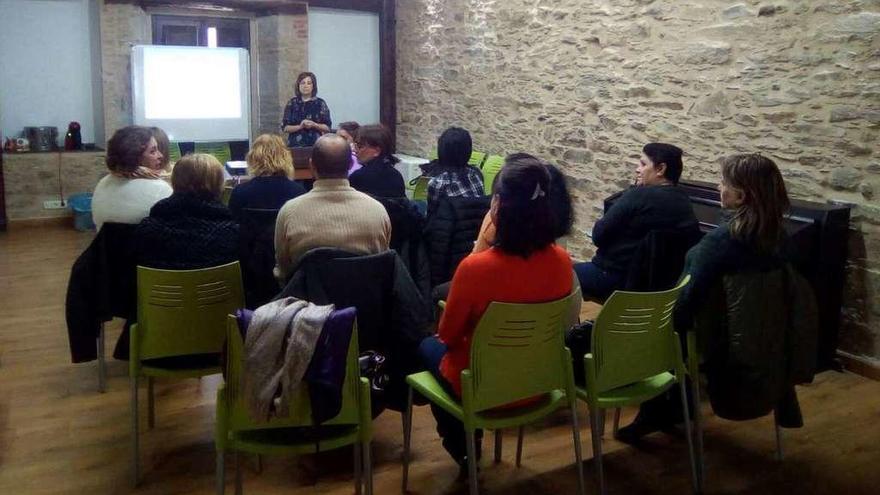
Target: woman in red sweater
<point>524,265</point>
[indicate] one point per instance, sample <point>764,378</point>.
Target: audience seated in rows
<point>450,176</point>
<point>524,265</point>
<point>191,228</point>
<point>134,183</point>
<point>348,130</point>
<point>271,185</point>
<point>656,202</point>
<point>332,214</point>
<point>378,177</point>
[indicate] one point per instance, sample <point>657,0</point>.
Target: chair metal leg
<point>601,418</point>
<point>498,439</point>
<point>259,464</point>
<point>368,467</point>
<point>578,456</point>
<point>472,462</point>
<point>407,430</point>
<point>102,362</point>
<point>358,473</point>
<point>151,404</point>
<point>698,433</point>
<point>519,444</point>
<point>780,454</point>
<point>135,458</point>
<point>616,420</point>
<point>220,473</point>
<point>690,441</point>
<point>239,488</point>
<point>595,432</point>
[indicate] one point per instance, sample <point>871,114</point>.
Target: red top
<point>489,276</point>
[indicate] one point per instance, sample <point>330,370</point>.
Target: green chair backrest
<point>420,191</point>
<point>517,352</point>
<point>477,158</point>
<point>300,406</point>
<point>183,312</point>
<point>491,167</point>
<point>633,337</point>
<point>173,152</point>
<point>226,194</point>
<point>432,155</point>
<point>219,150</point>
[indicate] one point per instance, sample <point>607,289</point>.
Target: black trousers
<point>450,429</point>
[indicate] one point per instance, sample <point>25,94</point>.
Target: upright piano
<point>817,249</point>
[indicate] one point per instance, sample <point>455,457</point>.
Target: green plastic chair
<point>180,313</point>
<point>173,152</point>
<point>237,432</point>
<point>517,352</point>
<point>219,150</point>
<point>420,190</point>
<point>477,158</point>
<point>226,194</point>
<point>490,169</point>
<point>636,356</point>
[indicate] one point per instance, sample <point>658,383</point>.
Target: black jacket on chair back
<point>407,225</point>
<point>659,259</point>
<point>256,250</point>
<point>450,234</point>
<point>392,316</point>
<point>103,284</point>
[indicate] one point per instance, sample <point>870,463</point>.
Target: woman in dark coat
<point>190,229</point>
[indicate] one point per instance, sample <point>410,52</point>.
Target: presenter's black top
<point>379,178</point>
<point>637,212</point>
<point>265,193</point>
<point>296,111</point>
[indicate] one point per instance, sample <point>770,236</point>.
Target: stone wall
<point>585,83</point>
<point>122,26</point>
<point>32,178</point>
<point>282,43</point>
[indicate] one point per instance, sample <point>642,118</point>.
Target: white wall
<point>344,55</point>
<point>46,66</point>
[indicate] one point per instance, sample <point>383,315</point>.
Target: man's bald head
<point>331,157</point>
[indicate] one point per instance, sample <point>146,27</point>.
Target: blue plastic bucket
<point>81,205</point>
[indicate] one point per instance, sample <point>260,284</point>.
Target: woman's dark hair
<point>667,154</point>
<point>560,202</point>
<point>454,147</point>
<point>758,220</point>
<point>350,127</point>
<point>524,221</point>
<point>376,135</point>
<point>300,77</point>
<point>125,148</point>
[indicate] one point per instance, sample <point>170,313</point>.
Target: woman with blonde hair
<point>191,228</point>
<point>271,169</point>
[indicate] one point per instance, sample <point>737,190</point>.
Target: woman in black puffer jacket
<point>190,229</point>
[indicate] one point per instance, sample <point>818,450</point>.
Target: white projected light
<point>193,93</point>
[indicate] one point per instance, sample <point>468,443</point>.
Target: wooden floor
<point>58,435</point>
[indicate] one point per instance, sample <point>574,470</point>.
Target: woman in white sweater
<point>133,185</point>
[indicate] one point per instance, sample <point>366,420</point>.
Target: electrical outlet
<point>58,204</point>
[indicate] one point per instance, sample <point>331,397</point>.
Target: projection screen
<point>192,93</point>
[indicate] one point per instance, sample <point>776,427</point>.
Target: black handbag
<point>578,340</point>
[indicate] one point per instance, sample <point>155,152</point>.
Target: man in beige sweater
<point>332,214</point>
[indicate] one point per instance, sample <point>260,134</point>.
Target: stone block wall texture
<point>282,43</point>
<point>122,26</point>
<point>31,178</point>
<point>586,83</point>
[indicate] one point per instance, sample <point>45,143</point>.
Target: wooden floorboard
<point>58,435</point>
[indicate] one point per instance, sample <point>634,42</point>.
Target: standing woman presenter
<point>306,117</point>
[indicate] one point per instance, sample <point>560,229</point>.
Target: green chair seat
<point>631,394</point>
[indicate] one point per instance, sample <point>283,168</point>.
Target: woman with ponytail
<point>523,265</point>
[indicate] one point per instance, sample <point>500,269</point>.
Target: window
<point>199,31</point>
